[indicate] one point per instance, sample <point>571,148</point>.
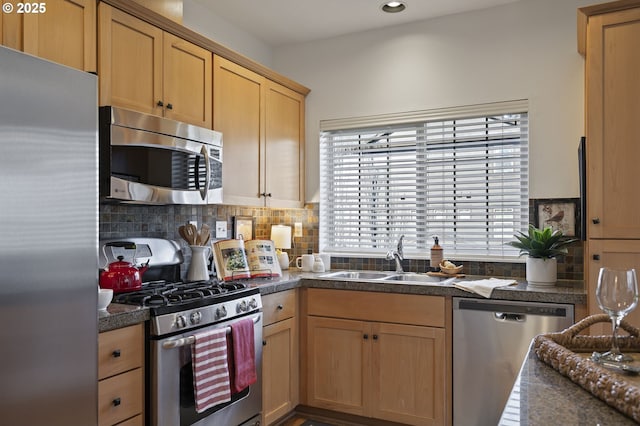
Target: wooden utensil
<point>204,234</point>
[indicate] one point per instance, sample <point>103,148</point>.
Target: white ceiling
<point>280,22</point>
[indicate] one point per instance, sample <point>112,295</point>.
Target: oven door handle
<point>184,341</point>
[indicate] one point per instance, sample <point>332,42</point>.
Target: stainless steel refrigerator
<point>48,243</point>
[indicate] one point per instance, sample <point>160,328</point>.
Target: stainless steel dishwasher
<point>490,341</point>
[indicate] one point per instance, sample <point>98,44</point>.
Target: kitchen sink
<point>409,277</point>
<point>358,275</point>
<point>388,277</point>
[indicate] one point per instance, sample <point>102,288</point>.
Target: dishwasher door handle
<point>503,316</point>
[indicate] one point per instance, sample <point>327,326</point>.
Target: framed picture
<point>243,228</point>
<point>560,214</point>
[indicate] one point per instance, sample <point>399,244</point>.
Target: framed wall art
<point>558,213</point>
<point>243,228</point>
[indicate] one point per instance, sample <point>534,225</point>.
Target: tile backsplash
<point>128,220</point>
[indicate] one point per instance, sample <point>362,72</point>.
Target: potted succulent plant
<point>542,246</point>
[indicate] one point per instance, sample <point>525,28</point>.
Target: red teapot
<point>122,276</point>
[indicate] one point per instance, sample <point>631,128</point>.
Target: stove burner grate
<point>163,293</point>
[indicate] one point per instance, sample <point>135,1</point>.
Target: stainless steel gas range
<point>179,312</point>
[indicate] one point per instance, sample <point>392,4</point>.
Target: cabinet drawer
<point>372,306</point>
<point>120,397</point>
<point>134,421</point>
<point>279,306</point>
<point>120,350</point>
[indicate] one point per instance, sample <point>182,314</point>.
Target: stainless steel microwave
<point>153,160</point>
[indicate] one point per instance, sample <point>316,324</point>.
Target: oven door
<point>171,384</point>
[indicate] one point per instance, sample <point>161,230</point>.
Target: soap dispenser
<point>436,254</point>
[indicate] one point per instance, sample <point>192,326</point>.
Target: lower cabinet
<point>121,377</point>
<point>389,362</point>
<point>279,355</point>
<point>621,254</point>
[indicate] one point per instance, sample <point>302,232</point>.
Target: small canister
<point>436,254</point>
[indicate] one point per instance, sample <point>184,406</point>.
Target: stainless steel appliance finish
<point>490,341</point>
<point>154,160</point>
<point>49,232</point>
<point>172,383</point>
<point>179,311</point>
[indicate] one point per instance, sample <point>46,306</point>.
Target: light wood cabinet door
<point>613,134</point>
<point>284,140</point>
<point>65,33</point>
<point>187,78</point>
<point>11,30</point>
<point>338,358</point>
<point>279,370</point>
<point>408,374</point>
<point>129,61</point>
<point>237,104</point>
<point>622,254</point>
<point>262,124</point>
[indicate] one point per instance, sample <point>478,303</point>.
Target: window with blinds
<point>462,178</point>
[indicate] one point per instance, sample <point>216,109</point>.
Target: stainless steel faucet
<point>397,255</point>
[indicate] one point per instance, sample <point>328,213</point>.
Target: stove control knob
<point>195,317</point>
<point>253,303</point>
<point>242,307</point>
<point>221,312</point>
<point>181,321</point>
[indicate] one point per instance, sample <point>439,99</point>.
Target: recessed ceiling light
<point>393,6</point>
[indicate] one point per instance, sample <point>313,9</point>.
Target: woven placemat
<point>562,351</point>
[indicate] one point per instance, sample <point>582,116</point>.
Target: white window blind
<point>464,179</point>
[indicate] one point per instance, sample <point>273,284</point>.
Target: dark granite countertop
<point>541,396</point>
<point>564,292</point>
<point>118,316</point>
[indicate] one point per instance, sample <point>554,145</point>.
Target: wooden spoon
<point>204,234</point>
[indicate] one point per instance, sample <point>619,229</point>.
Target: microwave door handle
<point>207,165</point>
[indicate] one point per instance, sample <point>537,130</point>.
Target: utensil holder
<point>198,267</point>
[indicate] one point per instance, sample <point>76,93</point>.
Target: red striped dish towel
<point>244,355</point>
<point>210,372</point>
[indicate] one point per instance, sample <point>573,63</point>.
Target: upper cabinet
<point>146,69</point>
<point>64,32</point>
<point>262,123</point>
<point>612,109</point>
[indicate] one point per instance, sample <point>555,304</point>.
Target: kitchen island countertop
<point>541,396</point>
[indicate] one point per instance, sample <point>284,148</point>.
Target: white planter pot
<point>542,272</point>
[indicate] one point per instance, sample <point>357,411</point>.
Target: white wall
<point>521,50</point>
<point>202,20</point>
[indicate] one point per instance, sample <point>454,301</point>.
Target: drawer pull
<point>116,353</point>
<point>280,307</point>
<point>595,220</point>
<point>116,402</point>
<point>596,257</point>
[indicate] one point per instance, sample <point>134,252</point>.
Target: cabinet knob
<point>116,353</point>
<point>169,106</point>
<point>264,343</point>
<point>279,307</point>
<point>116,402</point>
<point>596,257</point>
<point>365,337</point>
<point>160,104</point>
<point>595,220</point>
<point>375,337</point>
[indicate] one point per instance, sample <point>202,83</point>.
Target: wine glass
<point>617,295</point>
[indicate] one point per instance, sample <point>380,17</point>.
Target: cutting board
<point>442,274</point>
